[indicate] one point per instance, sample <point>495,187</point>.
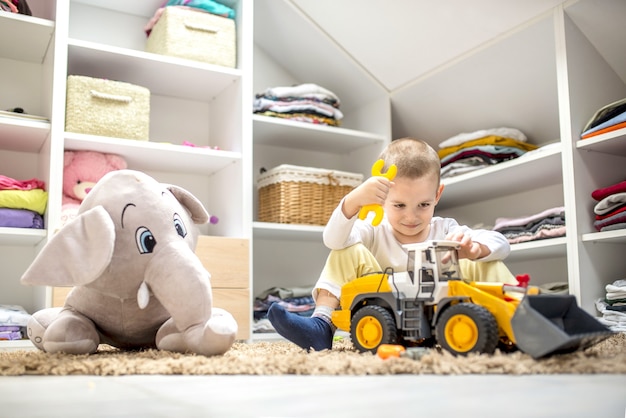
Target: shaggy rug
<point>278,358</point>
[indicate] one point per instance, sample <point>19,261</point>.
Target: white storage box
<point>302,195</point>
<point>107,108</point>
<point>195,35</point>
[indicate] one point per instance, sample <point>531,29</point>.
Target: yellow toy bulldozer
<point>432,301</point>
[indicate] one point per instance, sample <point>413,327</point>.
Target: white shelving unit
<point>545,77</point>
<point>25,143</point>
<point>190,101</point>
<point>293,255</point>
<point>592,59</point>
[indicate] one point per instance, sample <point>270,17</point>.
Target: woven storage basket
<point>108,108</point>
<point>194,35</point>
<point>302,195</point>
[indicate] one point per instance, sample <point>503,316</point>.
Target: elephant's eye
<point>180,226</point>
<point>145,240</point>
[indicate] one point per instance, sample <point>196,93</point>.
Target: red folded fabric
<point>600,194</point>
<point>614,212</point>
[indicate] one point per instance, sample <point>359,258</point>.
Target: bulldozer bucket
<point>550,324</point>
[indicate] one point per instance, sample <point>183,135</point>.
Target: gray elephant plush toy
<point>137,282</point>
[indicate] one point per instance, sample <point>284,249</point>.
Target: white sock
<point>325,313</point>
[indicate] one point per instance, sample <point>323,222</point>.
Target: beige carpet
<point>275,358</point>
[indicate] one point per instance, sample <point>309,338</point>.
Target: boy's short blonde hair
<point>413,157</point>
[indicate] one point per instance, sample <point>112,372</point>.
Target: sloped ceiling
<point>447,66</point>
<point>399,41</point>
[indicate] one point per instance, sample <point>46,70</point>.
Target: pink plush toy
<point>81,171</point>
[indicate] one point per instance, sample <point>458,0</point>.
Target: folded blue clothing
<point>606,113</point>
<point>613,121</point>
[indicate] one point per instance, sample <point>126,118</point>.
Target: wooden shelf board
<point>609,143</point>
<point>545,248</point>
<point>22,135</point>
<point>268,230</point>
<point>15,345</point>
<point>608,237</point>
<point>31,48</point>
<point>506,178</point>
<point>21,236</point>
<point>146,155</point>
<point>188,79</point>
<point>307,136</point>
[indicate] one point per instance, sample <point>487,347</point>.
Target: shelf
<point>15,345</point>
<point>521,174</point>
<point>145,155</point>
<point>267,336</point>
<point>545,248</point>
<point>307,136</point>
<point>606,237</point>
<point>609,143</point>
<point>31,133</point>
<point>301,48</point>
<point>162,75</point>
<point>31,48</point>
<point>138,8</point>
<point>144,8</point>
<point>274,336</point>
<point>21,236</point>
<point>267,230</point>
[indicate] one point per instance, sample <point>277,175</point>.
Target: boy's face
<point>410,206</point>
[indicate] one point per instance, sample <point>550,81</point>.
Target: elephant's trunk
<point>181,283</point>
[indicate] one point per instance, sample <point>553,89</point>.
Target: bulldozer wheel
<point>372,326</point>
<point>467,328</point>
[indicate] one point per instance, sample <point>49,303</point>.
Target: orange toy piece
<point>386,351</point>
<point>378,209</point>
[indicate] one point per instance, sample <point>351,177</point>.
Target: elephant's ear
<point>199,215</point>
<point>77,254</point>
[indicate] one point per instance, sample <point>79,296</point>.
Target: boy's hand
<point>469,249</point>
<point>372,191</point>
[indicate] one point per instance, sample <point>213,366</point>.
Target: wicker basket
<point>194,35</point>
<point>302,195</point>
<point>107,108</point>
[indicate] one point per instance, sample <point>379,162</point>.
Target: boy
<point>358,248</point>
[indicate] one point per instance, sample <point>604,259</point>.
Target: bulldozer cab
<point>430,263</point>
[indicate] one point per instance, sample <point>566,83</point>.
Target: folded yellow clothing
<point>35,199</point>
<point>488,140</point>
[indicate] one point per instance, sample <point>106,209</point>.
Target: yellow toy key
<point>378,209</point>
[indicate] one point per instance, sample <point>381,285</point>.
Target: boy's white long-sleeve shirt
<point>341,232</point>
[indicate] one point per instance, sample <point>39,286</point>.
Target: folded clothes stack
<point>549,223</point>
<point>467,152</point>
<point>13,321</point>
<point>608,119</point>
<point>610,211</point>
<point>22,203</point>
<point>304,103</point>
<point>613,306</point>
<point>298,300</point>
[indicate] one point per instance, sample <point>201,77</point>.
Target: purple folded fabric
<point>20,218</point>
<point>10,335</point>
<point>9,328</point>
